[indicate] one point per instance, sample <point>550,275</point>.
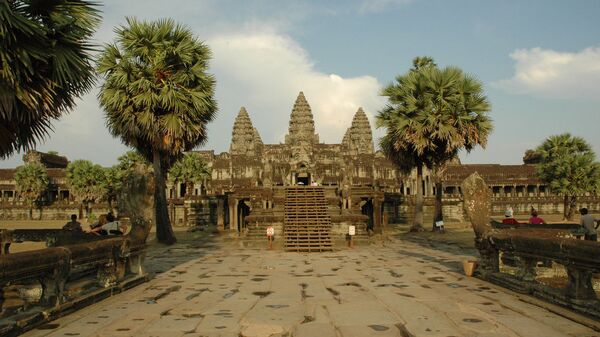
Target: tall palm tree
<point>31,182</point>
<point>46,64</point>
<point>569,167</point>
<point>158,97</point>
<point>189,169</point>
<point>431,115</point>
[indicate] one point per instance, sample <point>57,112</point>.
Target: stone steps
<point>307,224</point>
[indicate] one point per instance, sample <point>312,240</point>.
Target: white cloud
<point>255,66</point>
<point>264,71</point>
<point>375,6</point>
<point>549,73</point>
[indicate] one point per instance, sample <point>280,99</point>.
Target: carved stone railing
<point>532,250</point>
<point>96,265</point>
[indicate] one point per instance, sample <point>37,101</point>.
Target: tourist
<point>97,226</point>
<point>109,228</point>
<point>590,224</point>
<point>508,218</point>
<point>72,225</point>
<point>535,219</point>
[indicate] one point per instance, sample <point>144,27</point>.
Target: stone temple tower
<point>358,139</point>
<point>245,139</point>
<point>301,135</point>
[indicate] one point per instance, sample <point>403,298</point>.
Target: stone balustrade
<point>521,258</point>
<point>76,268</point>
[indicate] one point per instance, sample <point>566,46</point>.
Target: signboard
<point>439,224</point>
<point>351,230</point>
<point>270,231</point>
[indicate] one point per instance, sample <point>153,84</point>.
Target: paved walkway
<point>403,289</point>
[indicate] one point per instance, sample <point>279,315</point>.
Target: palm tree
<point>32,181</point>
<point>431,115</point>
<point>158,98</point>
<point>568,165</point>
<point>189,169</point>
<point>46,64</point>
<point>87,183</point>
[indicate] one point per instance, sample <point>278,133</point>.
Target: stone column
<point>232,206</point>
<point>220,220</point>
<point>234,224</point>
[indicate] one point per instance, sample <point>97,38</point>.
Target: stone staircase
<point>307,224</point>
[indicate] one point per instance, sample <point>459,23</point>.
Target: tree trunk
<point>80,211</point>
<point>417,225</point>
<point>565,207</point>
<point>572,207</point>
<point>31,211</point>
<point>438,215</point>
<point>164,231</point>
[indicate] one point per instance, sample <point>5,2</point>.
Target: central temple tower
<point>301,139</point>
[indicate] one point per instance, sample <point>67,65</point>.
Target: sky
<point>539,62</point>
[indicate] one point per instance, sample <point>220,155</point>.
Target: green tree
<point>189,169</point>
<point>87,183</point>
<point>112,184</point>
<point>32,182</point>
<point>46,64</point>
<point>569,167</point>
<point>431,115</point>
<point>532,157</point>
<point>158,98</point>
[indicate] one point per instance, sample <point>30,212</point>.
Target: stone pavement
<point>403,289</point>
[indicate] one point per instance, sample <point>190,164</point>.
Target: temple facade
<point>361,187</point>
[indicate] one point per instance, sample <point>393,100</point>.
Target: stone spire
<point>359,137</point>
<point>302,126</point>
<point>245,139</point>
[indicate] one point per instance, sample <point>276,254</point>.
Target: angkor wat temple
<point>302,181</point>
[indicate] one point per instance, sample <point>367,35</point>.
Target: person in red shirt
<point>535,219</point>
<point>508,218</point>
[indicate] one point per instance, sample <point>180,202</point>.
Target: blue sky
<point>539,62</point>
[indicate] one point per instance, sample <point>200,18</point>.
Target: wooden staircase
<point>307,225</point>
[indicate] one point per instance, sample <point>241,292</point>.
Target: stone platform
<point>400,289</point>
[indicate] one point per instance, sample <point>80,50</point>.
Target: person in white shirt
<point>590,223</point>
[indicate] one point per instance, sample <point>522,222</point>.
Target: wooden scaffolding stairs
<point>307,225</point>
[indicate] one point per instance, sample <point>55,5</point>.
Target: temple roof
<point>244,137</point>
<point>302,125</point>
<point>358,139</point>
<point>49,160</point>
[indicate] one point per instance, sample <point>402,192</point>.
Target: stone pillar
<point>220,218</point>
<point>232,206</point>
<point>234,223</point>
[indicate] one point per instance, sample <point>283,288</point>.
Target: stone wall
<point>54,212</point>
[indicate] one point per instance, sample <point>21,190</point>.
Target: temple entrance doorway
<point>303,178</point>
<point>242,211</point>
<point>367,209</point>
